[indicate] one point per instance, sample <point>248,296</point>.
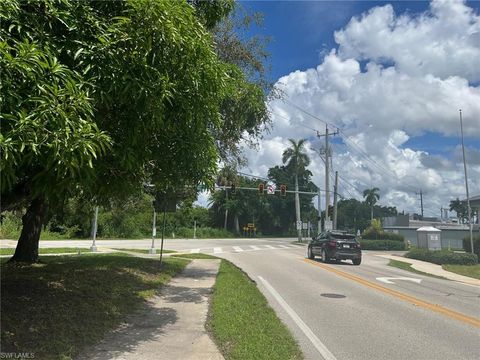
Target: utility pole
<point>328,154</point>
<point>421,200</point>
<point>319,214</point>
<point>335,197</point>
<point>469,209</point>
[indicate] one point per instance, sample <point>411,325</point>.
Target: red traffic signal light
<point>283,190</point>
<point>261,188</point>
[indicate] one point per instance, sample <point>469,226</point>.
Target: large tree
<point>100,97</point>
<point>296,157</point>
<point>371,197</point>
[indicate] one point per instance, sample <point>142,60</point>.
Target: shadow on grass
<point>56,308</point>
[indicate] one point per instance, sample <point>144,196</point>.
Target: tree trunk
<point>297,208</point>
<point>27,246</point>
<point>237,225</point>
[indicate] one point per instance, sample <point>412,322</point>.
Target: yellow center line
<point>433,307</point>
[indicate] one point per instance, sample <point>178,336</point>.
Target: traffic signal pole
<point>335,198</point>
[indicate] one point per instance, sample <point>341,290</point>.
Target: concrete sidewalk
<point>433,269</point>
<point>173,324</point>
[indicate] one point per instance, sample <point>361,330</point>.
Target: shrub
<point>382,245</point>
<point>10,226</point>
<point>441,257</point>
<point>476,244</point>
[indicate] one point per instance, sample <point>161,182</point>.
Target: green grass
<point>406,266</point>
<point>195,256</point>
<point>472,271</point>
<point>146,251</point>
<point>243,325</point>
<point>11,251</point>
<point>56,308</point>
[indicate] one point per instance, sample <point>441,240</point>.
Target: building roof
<point>428,229</point>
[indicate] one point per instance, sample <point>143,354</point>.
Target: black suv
<point>336,245</point>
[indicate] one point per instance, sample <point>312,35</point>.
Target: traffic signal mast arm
<point>276,190</point>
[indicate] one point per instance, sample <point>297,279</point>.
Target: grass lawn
<point>406,266</point>
<point>244,326</point>
<point>11,251</point>
<point>195,256</point>
<point>57,307</point>
<point>146,251</point>
<point>465,270</point>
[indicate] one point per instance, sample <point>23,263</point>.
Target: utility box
<point>429,238</point>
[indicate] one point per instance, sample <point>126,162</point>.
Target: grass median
<point>11,251</point>
<point>472,271</point>
<point>243,325</point>
<point>408,267</point>
<point>56,308</point>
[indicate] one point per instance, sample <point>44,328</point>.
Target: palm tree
<point>294,156</point>
<point>371,197</point>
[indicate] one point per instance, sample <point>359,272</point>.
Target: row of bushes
<point>441,257</point>
<point>373,235</point>
<point>382,245</point>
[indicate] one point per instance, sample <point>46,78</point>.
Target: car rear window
<point>343,236</point>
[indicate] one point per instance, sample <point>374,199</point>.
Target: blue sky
<point>392,80</point>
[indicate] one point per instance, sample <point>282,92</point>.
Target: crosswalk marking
<point>270,247</point>
<point>284,246</point>
<point>237,248</point>
<point>217,250</point>
<point>255,247</point>
<point>193,251</point>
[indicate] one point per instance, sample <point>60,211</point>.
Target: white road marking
<point>284,246</point>
<point>322,349</point>
<point>217,250</point>
<point>255,247</point>
<point>388,280</point>
<point>270,247</point>
<point>237,248</point>
<point>193,251</point>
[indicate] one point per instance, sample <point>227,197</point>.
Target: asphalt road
<point>341,311</point>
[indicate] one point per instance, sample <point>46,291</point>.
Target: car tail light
<point>332,243</point>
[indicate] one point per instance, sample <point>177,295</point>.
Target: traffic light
<point>330,211</point>
<point>261,188</point>
<point>283,190</point>
<point>232,189</point>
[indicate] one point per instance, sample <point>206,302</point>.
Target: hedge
<point>441,257</point>
<point>476,244</point>
<point>382,245</point>
<point>383,236</point>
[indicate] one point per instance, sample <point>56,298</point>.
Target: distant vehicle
<point>336,245</point>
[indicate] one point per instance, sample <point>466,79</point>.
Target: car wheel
<point>356,261</point>
<point>324,256</point>
<point>310,254</point>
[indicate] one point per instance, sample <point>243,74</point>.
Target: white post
<point>194,229</point>
<point>93,248</point>
<point>154,233</point>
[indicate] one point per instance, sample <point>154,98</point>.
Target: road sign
<point>299,225</point>
<point>328,225</point>
<point>304,226</point>
<point>271,189</point>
